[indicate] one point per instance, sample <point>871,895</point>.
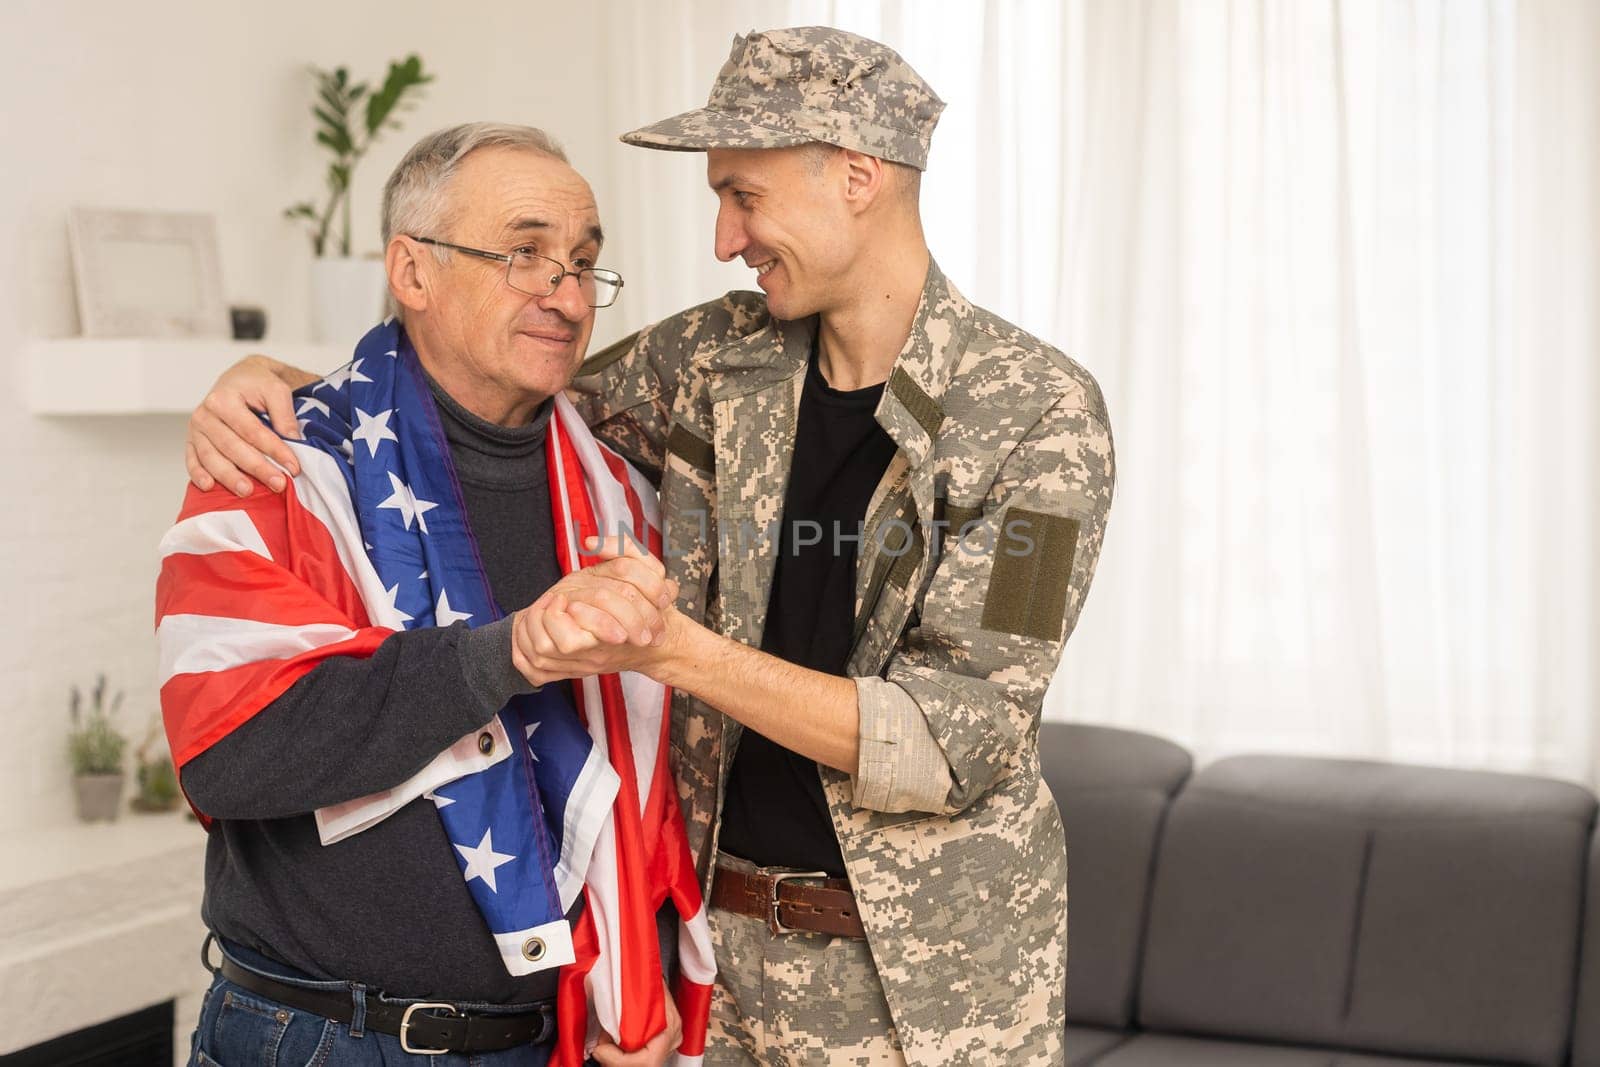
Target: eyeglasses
<point>539,275</point>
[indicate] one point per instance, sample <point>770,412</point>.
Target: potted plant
<point>347,293</point>
<point>156,780</point>
<point>95,747</point>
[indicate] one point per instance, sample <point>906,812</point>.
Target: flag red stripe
<point>296,539</point>
<point>694,1008</point>
<point>202,708</point>
<point>224,583</point>
<point>572,1001</point>
<point>619,470</point>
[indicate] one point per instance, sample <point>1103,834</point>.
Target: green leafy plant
<point>95,746</point>
<point>158,781</point>
<point>350,117</point>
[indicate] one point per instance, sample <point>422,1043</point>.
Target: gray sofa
<point>1274,911</point>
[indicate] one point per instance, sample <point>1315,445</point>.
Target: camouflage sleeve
<point>625,391</point>
<point>625,395</point>
<point>961,696</point>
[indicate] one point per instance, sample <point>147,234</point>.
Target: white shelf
<point>101,376</point>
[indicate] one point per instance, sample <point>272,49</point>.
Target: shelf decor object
<point>147,273</point>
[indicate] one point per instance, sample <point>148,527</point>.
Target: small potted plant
<point>347,293</point>
<point>156,780</point>
<point>95,747</point>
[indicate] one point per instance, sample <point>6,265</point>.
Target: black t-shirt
<point>775,813</point>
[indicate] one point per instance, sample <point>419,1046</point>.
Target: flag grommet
<point>533,949</point>
<point>486,743</point>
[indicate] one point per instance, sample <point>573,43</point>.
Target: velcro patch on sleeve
<point>1032,575</point>
<point>683,443</point>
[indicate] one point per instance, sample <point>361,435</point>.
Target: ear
<point>404,262</point>
<point>864,177</point>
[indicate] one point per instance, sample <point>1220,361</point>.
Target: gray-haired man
<point>371,950</point>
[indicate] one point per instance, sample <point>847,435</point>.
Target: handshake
<point>614,615</point>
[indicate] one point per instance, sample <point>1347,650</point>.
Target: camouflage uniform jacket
<point>950,838</point>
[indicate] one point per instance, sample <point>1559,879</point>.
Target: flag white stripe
<point>696,958</point>
<point>214,531</point>
<point>648,498</point>
<point>194,644</point>
<point>557,938</point>
<point>588,809</point>
<point>645,700</point>
<point>339,821</point>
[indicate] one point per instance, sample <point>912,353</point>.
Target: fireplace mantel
<point>97,921</point>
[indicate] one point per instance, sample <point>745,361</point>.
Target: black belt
<point>420,1025</point>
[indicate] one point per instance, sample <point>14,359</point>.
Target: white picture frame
<point>147,273</point>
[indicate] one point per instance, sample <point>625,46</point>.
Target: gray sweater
<point>387,907</point>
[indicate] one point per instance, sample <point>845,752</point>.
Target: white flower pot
<point>347,299</point>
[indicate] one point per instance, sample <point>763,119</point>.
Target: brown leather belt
<point>789,901</point>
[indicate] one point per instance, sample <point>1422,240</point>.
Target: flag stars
<point>483,860</point>
<point>406,503</point>
<point>350,372</point>
<point>373,430</point>
<point>444,614</point>
<point>393,593</point>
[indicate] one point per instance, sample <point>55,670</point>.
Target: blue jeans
<point>239,1028</point>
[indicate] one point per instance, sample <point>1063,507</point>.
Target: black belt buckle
<point>405,1027</point>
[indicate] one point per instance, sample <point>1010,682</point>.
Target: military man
<point>884,508</point>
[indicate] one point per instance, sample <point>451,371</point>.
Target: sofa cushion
<point>1112,787</point>
<point>1586,1017</point>
<point>1086,1044</point>
<point>1158,1050</point>
<point>1390,909</point>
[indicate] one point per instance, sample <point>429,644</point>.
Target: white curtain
<point>1337,267</point>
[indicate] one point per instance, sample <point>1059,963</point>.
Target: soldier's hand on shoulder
<point>227,443</point>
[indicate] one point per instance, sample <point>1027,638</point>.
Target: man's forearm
<point>353,726</point>
<point>805,711</point>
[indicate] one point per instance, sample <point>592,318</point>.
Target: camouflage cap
<point>809,83</point>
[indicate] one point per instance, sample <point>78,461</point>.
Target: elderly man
<point>886,507</point>
<point>388,872</point>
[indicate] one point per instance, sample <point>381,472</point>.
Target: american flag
<point>370,538</point>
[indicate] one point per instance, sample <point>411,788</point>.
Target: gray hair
<point>415,198</point>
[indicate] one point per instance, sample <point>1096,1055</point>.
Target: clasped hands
<point>615,615</point>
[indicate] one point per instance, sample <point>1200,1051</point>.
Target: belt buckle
<point>774,924</point>
<point>405,1024</point>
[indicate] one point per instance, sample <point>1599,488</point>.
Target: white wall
<point>191,106</point>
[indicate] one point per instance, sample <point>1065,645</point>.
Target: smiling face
<point>785,213</point>
<point>500,352</point>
